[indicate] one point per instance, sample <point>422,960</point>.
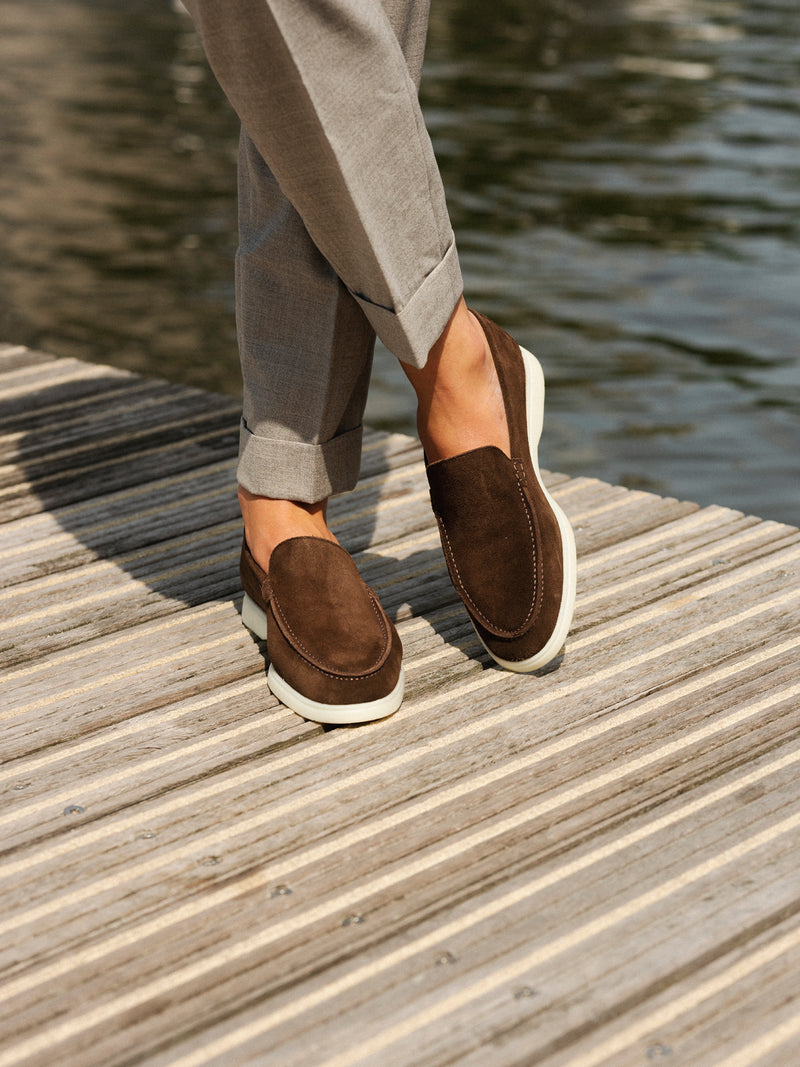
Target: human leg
<point>509,547</point>
<point>384,232</point>
<point>329,99</point>
<point>306,351</point>
<point>327,90</point>
<point>306,338</point>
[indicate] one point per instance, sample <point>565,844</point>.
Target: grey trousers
<point>343,227</point>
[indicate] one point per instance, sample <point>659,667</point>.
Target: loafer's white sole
<point>255,619</point>
<point>336,714</point>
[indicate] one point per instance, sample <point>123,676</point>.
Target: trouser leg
<point>305,347</point>
<point>326,90</point>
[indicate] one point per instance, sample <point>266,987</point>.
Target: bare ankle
<point>460,404</point>
<point>268,521</point>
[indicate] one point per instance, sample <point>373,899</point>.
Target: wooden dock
<point>594,866</point>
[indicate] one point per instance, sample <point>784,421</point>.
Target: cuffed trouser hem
<point>294,470</point>
<point>411,333</point>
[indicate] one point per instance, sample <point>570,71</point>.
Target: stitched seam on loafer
<point>499,631</point>
<point>308,656</point>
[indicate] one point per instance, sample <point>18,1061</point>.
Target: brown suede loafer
<point>334,655</point>
<point>509,547</point>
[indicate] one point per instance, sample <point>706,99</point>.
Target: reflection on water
<point>117,171</point>
<point>624,179</point>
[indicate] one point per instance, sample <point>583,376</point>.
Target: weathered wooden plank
<point>111,523</point>
<point>117,426</point>
<point>499,1007</point>
<point>87,602</point>
<point>585,866</point>
<point>144,758</point>
<point>14,357</point>
<point>117,524</point>
<point>104,681</point>
<point>504,818</point>
<point>84,674</point>
<point>732,546</point>
<point>47,411</point>
<point>100,459</point>
<point>733,1009</point>
<point>46,382</point>
<point>777,565</point>
<point>543,895</point>
<point>734,620</point>
<point>559,770</point>
<point>162,457</point>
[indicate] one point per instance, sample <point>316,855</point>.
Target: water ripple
<point>624,179</point>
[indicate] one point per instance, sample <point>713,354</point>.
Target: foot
<point>460,402</point>
<point>508,545</point>
<point>334,656</point>
<point>268,521</point>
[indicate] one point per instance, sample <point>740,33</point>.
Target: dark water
<point>624,180</point>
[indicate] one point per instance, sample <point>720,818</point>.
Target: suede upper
<point>320,603</point>
<point>327,635</point>
<point>493,561</point>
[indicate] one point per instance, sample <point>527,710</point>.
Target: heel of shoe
<point>254,618</point>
